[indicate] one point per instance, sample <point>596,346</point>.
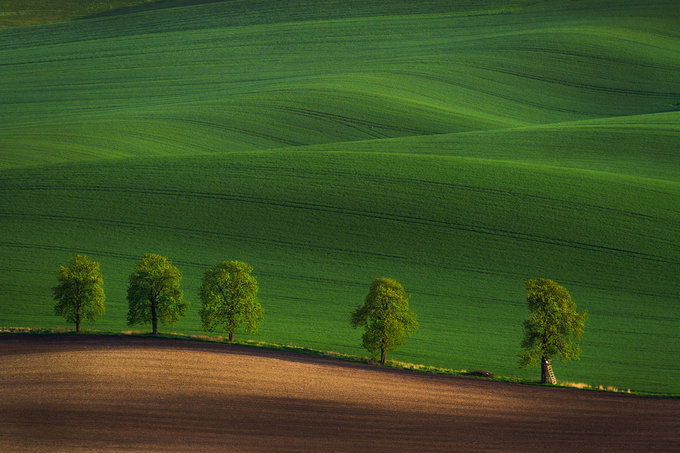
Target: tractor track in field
<point>409,219</point>
<point>92,393</point>
<point>296,276</point>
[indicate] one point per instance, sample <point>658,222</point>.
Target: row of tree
<point>228,294</point>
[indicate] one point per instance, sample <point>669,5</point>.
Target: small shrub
<point>480,373</point>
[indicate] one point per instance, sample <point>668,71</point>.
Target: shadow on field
<point>72,392</point>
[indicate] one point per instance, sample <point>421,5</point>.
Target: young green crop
<point>461,234</point>
<point>458,148</point>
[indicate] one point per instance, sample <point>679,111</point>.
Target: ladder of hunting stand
<point>551,374</point>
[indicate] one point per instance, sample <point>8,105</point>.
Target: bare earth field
<point>66,393</point>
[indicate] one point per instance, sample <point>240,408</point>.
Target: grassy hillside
<point>14,13</point>
<point>459,150</point>
<point>138,85</point>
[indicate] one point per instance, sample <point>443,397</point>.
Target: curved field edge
<point>181,394</point>
<point>302,350</point>
<point>462,235</point>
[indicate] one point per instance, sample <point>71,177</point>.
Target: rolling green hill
<point>458,149</point>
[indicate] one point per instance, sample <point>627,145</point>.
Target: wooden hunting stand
<point>547,374</point>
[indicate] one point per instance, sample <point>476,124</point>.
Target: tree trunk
<point>383,356</point>
<point>544,370</point>
<point>231,331</point>
<point>154,318</point>
<point>79,311</point>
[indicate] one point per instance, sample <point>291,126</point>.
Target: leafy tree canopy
<point>229,298</point>
<point>79,293</point>
<point>386,317</point>
<point>554,326</point>
<point>154,294</point>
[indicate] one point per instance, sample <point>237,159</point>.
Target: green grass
<point>459,150</point>
<point>460,234</point>
<point>14,13</point>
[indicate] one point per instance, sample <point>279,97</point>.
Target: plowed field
<point>63,393</point>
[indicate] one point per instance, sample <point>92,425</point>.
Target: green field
<point>457,149</point>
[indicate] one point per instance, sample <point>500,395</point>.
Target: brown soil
<point>66,393</point>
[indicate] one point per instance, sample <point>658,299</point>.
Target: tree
<point>79,293</point>
<point>228,298</point>
<point>553,328</point>
<point>154,294</point>
<point>386,317</point>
